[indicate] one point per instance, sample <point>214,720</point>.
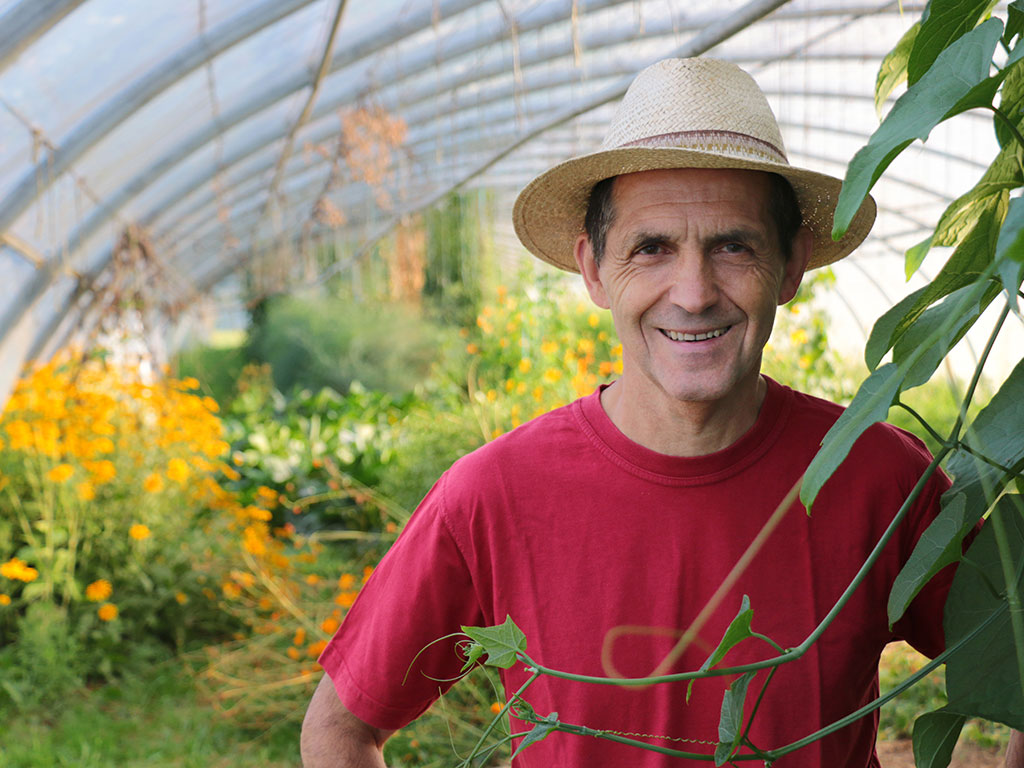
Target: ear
<point>796,265</point>
<point>590,271</point>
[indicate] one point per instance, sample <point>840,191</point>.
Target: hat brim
<point>549,212</point>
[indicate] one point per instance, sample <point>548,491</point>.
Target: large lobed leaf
<point>500,644</point>
<point>983,678</point>
<point>996,434</point>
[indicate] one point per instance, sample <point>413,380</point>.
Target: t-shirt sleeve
<point>921,625</point>
<point>387,661</point>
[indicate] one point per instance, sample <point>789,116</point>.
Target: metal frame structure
<point>492,92</point>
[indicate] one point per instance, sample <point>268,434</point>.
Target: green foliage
<point>316,454</point>
<point>315,341</point>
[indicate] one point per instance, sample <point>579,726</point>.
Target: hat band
<point>715,142</point>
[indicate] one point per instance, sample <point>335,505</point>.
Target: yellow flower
<point>315,649</point>
<point>548,348</point>
<point>181,597</point>
<point>107,612</point>
<point>102,471</point>
<point>593,320</point>
<point>5,599</point>
<point>525,365</point>
<point>472,349</point>
<point>799,336</point>
<point>189,382</point>
<point>153,483</point>
<point>230,589</point>
<point>60,474</point>
<point>177,470</point>
<point>98,590</point>
<point>139,532</point>
<point>18,570</point>
<point>552,375</point>
<point>86,491</point>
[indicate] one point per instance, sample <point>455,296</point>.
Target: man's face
<point>692,272</point>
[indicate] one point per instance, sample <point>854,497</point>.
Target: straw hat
<point>681,113</point>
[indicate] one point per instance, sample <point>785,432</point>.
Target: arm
<point>1015,750</point>
<point>333,736</point>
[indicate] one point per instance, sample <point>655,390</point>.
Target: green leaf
<point>730,725</point>
<point>870,405</point>
<point>951,84</point>
<point>983,678</point>
<point>914,256</point>
<point>539,733</point>
<point>500,643</point>
<point>995,433</point>
<point>927,342</point>
<point>1011,101</point>
<point>1010,250</point>
<point>938,546</point>
<point>738,630</point>
<point>884,331</point>
<point>967,263</point>
<point>943,22</point>
<point>1014,21</point>
<point>935,735</point>
<point>893,69</point>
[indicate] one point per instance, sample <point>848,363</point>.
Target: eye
<point>650,248</point>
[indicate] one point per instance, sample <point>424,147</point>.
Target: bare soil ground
<point>900,754</point>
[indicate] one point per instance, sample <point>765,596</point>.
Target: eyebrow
<point>758,240</point>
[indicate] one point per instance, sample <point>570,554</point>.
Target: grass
<point>152,720</point>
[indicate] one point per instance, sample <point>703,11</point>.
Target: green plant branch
<point>744,739</point>
<point>1008,124</point>
<point>987,460</point>
<point>909,682</point>
<point>921,420</point>
<point>954,435</point>
<point>497,718</point>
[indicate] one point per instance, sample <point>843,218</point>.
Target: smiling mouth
<point>679,336</point>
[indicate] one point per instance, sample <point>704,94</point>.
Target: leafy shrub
<point>106,516</point>
<point>312,342</point>
<point>313,456</point>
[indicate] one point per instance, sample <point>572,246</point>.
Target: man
<point>603,528</point>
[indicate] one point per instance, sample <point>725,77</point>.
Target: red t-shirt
<point>573,530</point>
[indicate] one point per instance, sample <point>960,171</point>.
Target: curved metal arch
<point>26,22</point>
<point>112,113</point>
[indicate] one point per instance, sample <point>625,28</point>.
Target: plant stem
<point>954,435</point>
<point>904,685</point>
<point>1008,123</point>
<point>497,718</point>
<point>921,420</point>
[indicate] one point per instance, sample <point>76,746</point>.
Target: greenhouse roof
<point>157,150</point>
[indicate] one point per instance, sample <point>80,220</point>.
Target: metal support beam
<point>26,22</point>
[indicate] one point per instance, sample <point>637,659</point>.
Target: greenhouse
<point>261,286</point>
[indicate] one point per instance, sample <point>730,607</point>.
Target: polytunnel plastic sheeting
<point>170,131</point>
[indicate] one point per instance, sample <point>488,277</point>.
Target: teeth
<point>676,336</point>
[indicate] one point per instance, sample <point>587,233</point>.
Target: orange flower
<point>139,532</point>
<point>181,597</point>
<point>5,599</point>
<point>330,625</point>
<point>86,491</point>
<point>347,581</point>
<point>60,474</point>
<point>153,483</point>
<point>496,707</point>
<point>177,470</point>
<point>315,649</point>
<point>107,612</point>
<point>99,590</point>
<point>18,570</point>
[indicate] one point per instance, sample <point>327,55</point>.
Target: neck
<point>686,428</point>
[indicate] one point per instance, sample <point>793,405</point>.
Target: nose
<point>693,287</point>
